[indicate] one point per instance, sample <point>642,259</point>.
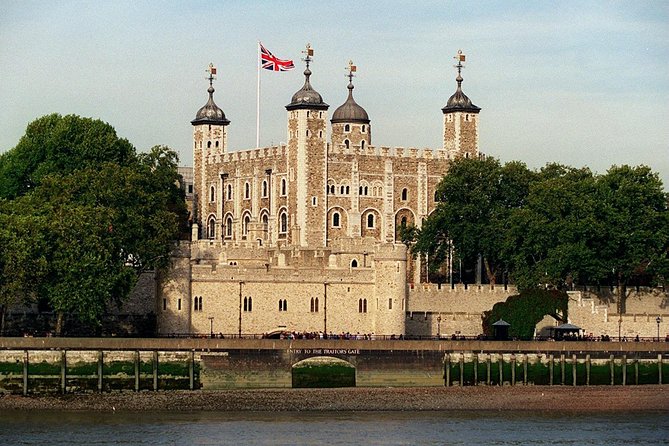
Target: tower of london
<point>306,236</point>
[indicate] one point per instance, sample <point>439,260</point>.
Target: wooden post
<point>448,369</point>
<point>624,369</point>
<point>462,369</point>
<point>155,370</point>
<point>636,370</point>
<point>476,369</point>
<point>63,370</point>
<point>513,370</point>
<point>550,369</point>
<point>612,367</point>
<point>500,367</point>
<point>562,372</point>
<point>587,369</point>
<point>191,370</point>
<point>488,369</point>
<point>573,369</point>
<point>659,368</point>
<point>525,369</point>
<point>25,372</point>
<point>136,370</point>
<point>100,369</point>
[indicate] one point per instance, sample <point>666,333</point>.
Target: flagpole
<point>258,101</point>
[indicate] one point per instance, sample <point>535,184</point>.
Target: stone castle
<point>306,236</point>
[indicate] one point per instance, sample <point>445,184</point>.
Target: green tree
<point>475,200</point>
<point>103,223</point>
<point>635,242</point>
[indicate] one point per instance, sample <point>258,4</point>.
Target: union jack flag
<point>270,62</point>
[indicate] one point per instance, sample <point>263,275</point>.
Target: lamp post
<point>439,327</point>
<point>241,283</point>
<point>658,320</point>
<point>211,326</point>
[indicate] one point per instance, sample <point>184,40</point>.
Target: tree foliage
<point>91,213</point>
<point>552,228</point>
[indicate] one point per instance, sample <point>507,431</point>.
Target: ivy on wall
<point>524,311</point>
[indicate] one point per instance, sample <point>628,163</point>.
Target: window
<point>247,190</point>
<point>248,304</point>
<point>216,144</point>
<point>403,223</point>
<point>405,194</point>
<point>314,201</point>
<point>265,223</point>
<point>164,304</point>
<point>354,263</point>
<point>212,193</point>
<point>320,134</point>
<point>211,228</point>
<point>197,303</point>
<point>229,191</point>
<point>332,189</point>
<point>314,305</point>
<point>362,144</point>
<point>283,223</point>
<point>390,303</point>
<point>283,186</point>
<point>190,188</point>
<point>370,220</point>
<point>335,220</point>
<point>347,128</point>
<point>208,144</point>
<point>264,188</point>
<point>283,305</point>
<point>364,128</point>
<point>347,143</point>
<point>228,227</point>
<point>348,190</point>
<point>245,227</point>
<point>362,305</point>
<point>436,195</point>
<point>179,304</point>
<point>342,189</point>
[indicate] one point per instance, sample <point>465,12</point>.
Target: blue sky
<point>581,83</point>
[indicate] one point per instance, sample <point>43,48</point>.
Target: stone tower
<point>209,138</point>
<point>350,122</point>
<point>461,120</point>
<point>307,161</point>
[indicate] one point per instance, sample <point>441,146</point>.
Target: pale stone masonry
<point>306,236</point>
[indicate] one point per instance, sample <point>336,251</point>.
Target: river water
<point>336,428</point>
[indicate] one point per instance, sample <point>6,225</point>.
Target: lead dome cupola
<point>307,97</point>
<point>350,111</point>
<point>459,101</point>
<point>210,113</point>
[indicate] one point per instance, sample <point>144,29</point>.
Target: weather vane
<point>309,51</point>
<point>211,69</point>
<point>460,57</point>
<point>351,69</point>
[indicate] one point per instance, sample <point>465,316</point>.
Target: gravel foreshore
<point>523,398</point>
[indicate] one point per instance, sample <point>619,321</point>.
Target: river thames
<point>331,428</point>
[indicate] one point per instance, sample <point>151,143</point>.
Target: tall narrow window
<point>390,303</point>
<point>370,220</point>
<point>405,194</point>
<point>283,186</point>
<point>347,143</point>
<point>247,191</point>
<point>362,144</point>
<point>283,223</point>
<point>335,220</point>
<point>212,193</point>
<point>316,306</point>
<point>229,191</point>
<point>228,227</point>
<point>264,188</point>
<point>347,128</point>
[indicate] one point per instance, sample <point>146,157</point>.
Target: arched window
<point>212,193</point>
<point>366,190</point>
<point>370,220</point>
<point>362,305</point>
<point>332,189</point>
<point>283,186</point>
<point>283,305</point>
<point>336,220</point>
<point>348,190</point>
<point>405,194</point>
<point>311,308</point>
<point>436,195</point>
<point>359,305</point>
<point>362,144</point>
<point>347,143</point>
<point>283,223</point>
<point>228,227</point>
<point>211,228</point>
<point>264,188</point>
<point>247,190</point>
<point>403,222</point>
<point>364,128</point>
<point>245,227</point>
<point>265,223</point>
<point>341,190</point>
<point>316,306</point>
<point>360,190</point>
<point>354,263</point>
<point>347,128</point>
<point>208,144</point>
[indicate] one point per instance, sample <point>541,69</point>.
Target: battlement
<point>390,152</point>
<point>270,152</point>
<point>419,288</point>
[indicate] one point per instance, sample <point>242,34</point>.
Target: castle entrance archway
<point>323,371</point>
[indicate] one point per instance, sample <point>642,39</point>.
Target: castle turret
<point>307,152</point>
<point>461,123</point>
<point>209,137</point>
<point>350,122</point>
